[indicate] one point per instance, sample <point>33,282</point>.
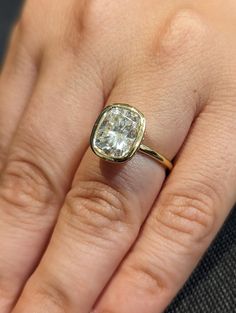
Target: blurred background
<point>212,287</point>
<point>8,12</point>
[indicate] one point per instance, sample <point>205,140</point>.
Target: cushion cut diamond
<point>118,133</point>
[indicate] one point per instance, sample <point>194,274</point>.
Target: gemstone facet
<point>118,132</point>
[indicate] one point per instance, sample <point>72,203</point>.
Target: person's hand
<point>70,225</point>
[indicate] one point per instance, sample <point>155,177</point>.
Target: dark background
<point>8,12</point>
<point>212,287</point>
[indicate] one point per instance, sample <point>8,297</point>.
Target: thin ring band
<point>157,156</point>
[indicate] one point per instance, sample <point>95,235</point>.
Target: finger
<point>16,84</point>
<point>40,165</point>
<point>107,204</point>
<point>190,210</point>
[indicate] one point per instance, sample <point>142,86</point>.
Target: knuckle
<point>25,184</point>
<point>150,280</point>
<point>25,32</point>
<point>26,20</point>
<point>96,208</point>
<point>189,213</point>
<point>46,294</point>
<point>183,34</point>
<point>21,25</point>
<point>32,11</point>
<point>38,24</point>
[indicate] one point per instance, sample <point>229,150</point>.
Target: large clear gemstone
<point>117,132</point>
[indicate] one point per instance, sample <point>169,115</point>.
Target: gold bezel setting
<point>133,147</point>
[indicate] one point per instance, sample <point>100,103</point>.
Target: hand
<point>69,221</point>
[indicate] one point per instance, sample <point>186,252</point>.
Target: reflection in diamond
<point>117,132</point>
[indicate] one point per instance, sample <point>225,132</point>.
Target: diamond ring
<point>118,134</point>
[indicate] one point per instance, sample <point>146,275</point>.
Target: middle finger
<point>40,166</point>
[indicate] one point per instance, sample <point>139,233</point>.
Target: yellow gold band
<point>157,156</point>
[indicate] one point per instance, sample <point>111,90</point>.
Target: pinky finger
<point>190,210</point>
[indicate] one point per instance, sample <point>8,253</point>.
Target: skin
<point>78,234</point>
